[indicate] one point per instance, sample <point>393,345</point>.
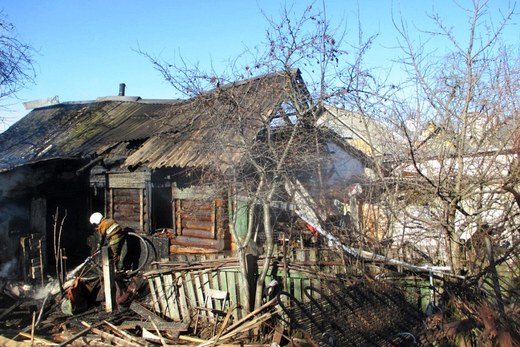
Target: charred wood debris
<point>344,309</point>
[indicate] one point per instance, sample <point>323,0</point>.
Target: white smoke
<point>8,268</point>
<point>42,292</point>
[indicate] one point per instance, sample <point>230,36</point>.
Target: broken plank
<point>10,309</point>
<point>191,339</point>
<point>123,334</point>
<point>114,339</point>
<point>242,345</point>
<point>78,335</point>
<point>224,324</point>
<point>170,326</point>
<point>149,336</point>
<point>39,340</point>
<point>243,329</point>
<point>145,313</point>
<point>163,341</point>
<point>93,341</point>
<point>199,341</point>
<point>252,314</point>
<point>223,345</point>
<point>4,341</point>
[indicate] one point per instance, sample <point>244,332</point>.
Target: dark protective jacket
<point>109,229</point>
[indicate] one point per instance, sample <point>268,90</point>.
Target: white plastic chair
<point>214,309</point>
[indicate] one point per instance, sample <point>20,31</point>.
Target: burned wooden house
<point>139,161</point>
<point>49,175</point>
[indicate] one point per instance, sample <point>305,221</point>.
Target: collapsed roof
<point>168,133</point>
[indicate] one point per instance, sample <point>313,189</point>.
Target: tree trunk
<point>241,254</point>
<point>494,275</point>
<point>454,253</point>
<point>244,280</point>
<point>269,244</point>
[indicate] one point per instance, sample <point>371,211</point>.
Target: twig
<point>244,325</point>
<point>244,328</point>
<point>252,314</point>
<point>191,338</point>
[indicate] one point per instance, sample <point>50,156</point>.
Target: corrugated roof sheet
<point>198,132</point>
<point>77,130</point>
<point>215,129</point>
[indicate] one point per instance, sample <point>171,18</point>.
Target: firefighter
<point>109,229</point>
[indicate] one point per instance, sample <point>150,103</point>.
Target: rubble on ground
<point>332,310</point>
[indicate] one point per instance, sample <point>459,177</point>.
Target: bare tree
<point>272,137</point>
<point>16,61</point>
<point>452,195</point>
<point>458,114</point>
<point>448,189</point>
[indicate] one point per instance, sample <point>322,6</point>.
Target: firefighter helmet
<point>95,218</point>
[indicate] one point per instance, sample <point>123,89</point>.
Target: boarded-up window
<point>200,224</point>
<point>200,218</point>
<point>196,218</point>
<point>128,199</point>
<point>129,208</point>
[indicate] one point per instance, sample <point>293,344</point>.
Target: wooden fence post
<point>108,280</point>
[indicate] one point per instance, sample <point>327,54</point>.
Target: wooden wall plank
<point>178,219</point>
<point>190,288</point>
<point>129,208</point>
<point>111,203</point>
<point>141,209</point>
<point>222,280</point>
<point>214,219</point>
<point>233,290</point>
<point>173,209</point>
<point>134,180</point>
<point>193,284</point>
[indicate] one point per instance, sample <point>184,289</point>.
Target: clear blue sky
<point>86,48</point>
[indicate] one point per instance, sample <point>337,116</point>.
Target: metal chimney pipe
<point>122,87</point>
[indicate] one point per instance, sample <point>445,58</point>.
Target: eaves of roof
<point>77,130</point>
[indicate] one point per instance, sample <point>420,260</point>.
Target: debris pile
<point>305,304</point>
<point>132,324</point>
